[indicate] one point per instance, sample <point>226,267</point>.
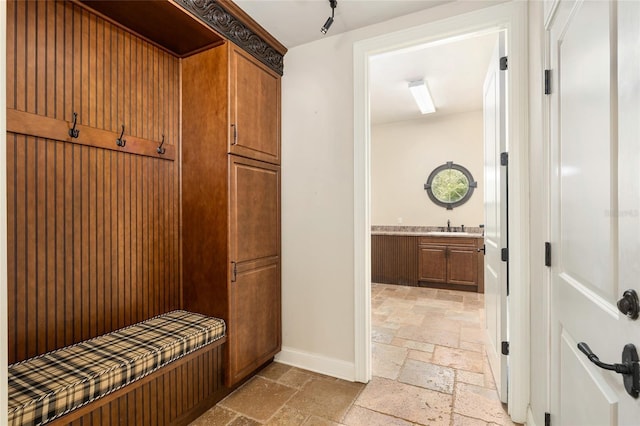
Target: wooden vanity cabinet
<point>231,202</point>
<point>450,262</point>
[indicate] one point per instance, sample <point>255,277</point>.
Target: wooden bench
<point>165,370</point>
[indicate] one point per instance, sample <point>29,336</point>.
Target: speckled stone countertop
<point>419,231</point>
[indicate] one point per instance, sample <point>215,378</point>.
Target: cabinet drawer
<point>449,241</point>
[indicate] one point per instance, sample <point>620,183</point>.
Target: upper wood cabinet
<point>254,108</point>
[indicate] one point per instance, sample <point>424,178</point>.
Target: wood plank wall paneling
<point>394,259</point>
<point>93,234</point>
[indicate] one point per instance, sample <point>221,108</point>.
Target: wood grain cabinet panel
<point>254,316</point>
<point>254,210</point>
<point>433,263</point>
<point>254,320</point>
<point>462,265</point>
<point>254,108</point>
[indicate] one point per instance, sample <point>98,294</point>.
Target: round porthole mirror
<point>450,185</point>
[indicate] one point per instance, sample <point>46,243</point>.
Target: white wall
<point>403,154</point>
<point>4,342</point>
<point>318,195</point>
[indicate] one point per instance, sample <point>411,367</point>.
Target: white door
<point>495,218</point>
<point>595,206</point>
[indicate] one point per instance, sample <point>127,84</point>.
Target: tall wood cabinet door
<point>254,251</point>
<point>255,108</point>
<point>433,263</point>
<point>254,333</point>
<point>462,265</point>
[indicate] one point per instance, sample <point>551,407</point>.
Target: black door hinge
<point>505,348</point>
<point>504,254</point>
<point>547,419</point>
<point>504,63</point>
<point>234,272</point>
<point>504,159</point>
<point>547,82</point>
<point>547,254</point>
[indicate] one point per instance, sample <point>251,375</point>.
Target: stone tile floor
<point>429,368</point>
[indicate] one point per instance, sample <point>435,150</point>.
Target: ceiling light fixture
<point>421,94</point>
<point>327,24</point>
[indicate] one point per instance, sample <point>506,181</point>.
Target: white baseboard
<point>317,363</point>
<point>530,421</point>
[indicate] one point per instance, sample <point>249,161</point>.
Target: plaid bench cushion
<point>52,384</point>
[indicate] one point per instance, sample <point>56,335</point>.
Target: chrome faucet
<point>448,225</point>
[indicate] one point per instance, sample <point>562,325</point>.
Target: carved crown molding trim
<point>212,13</point>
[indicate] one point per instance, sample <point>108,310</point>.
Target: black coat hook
<point>73,132</point>
<point>160,149</point>
<point>121,141</point>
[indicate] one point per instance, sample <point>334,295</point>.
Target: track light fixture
<point>327,24</point>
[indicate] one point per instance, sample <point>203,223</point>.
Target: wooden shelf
<point>162,22</point>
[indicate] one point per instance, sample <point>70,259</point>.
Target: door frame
<point>511,17</point>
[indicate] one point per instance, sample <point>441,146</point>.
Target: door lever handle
<point>629,368</point>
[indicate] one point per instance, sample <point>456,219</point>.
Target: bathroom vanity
<point>428,257</point>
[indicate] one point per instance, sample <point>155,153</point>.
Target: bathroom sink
<point>449,234</point>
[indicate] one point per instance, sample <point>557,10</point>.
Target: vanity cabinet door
<point>433,263</point>
<point>254,108</point>
<point>462,265</point>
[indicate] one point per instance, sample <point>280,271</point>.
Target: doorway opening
<point>510,18</point>
<point>419,236</point>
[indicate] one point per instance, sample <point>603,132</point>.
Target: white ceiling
<point>454,73</point>
<point>296,22</point>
